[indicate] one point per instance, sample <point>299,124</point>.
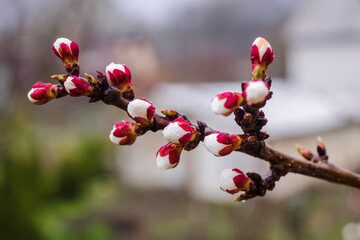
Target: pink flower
<point>225,103</point>
<point>123,133</point>
<point>168,156</point>
<point>78,86</point>
<point>141,110</point>
<point>41,93</point>
<point>233,181</point>
<point>66,50</point>
<point>119,76</point>
<point>256,92</point>
<point>222,144</point>
<point>179,131</point>
<point>261,52</point>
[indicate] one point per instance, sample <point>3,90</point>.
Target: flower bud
<point>233,181</point>
<point>256,92</point>
<point>67,51</point>
<point>119,76</point>
<point>307,154</point>
<point>41,93</point>
<point>60,77</point>
<point>169,113</point>
<point>222,144</point>
<point>141,111</point>
<point>261,52</point>
<point>123,133</point>
<point>179,131</point>
<point>78,86</point>
<point>168,156</point>
<point>225,103</point>
<point>321,147</point>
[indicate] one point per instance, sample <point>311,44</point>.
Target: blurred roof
<point>294,110</point>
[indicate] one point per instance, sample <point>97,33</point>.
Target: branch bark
<point>321,170</point>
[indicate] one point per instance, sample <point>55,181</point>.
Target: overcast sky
<point>156,12</point>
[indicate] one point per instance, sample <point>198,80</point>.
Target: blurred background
<point>61,177</point>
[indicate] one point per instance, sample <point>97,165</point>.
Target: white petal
<point>212,145</point>
<point>173,132</point>
<point>218,106</point>
<point>59,41</point>
<point>163,163</point>
<point>30,92</point>
<point>138,108</point>
<point>114,139</point>
<point>68,84</point>
<point>227,179</point>
<point>256,92</point>
<point>262,45</point>
<point>112,66</point>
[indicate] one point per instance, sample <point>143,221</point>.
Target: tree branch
<point>321,170</point>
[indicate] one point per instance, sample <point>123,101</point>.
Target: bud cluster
<point>115,87</point>
<point>245,106</point>
<point>117,75</point>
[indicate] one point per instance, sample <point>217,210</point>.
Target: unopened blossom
<point>222,144</point>
<point>261,52</point>
<point>119,76</point>
<point>225,103</point>
<point>41,93</point>
<point>67,51</point>
<point>78,86</point>
<point>256,92</point>
<point>179,131</point>
<point>168,156</point>
<point>141,110</point>
<point>123,133</point>
<point>234,180</point>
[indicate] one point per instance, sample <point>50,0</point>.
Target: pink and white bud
<point>119,76</point>
<point>222,144</point>
<point>41,93</point>
<point>123,133</point>
<point>225,103</point>
<point>67,51</point>
<point>142,111</point>
<point>233,181</point>
<point>78,86</point>
<point>261,52</point>
<point>256,92</point>
<point>168,156</point>
<point>179,131</point>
